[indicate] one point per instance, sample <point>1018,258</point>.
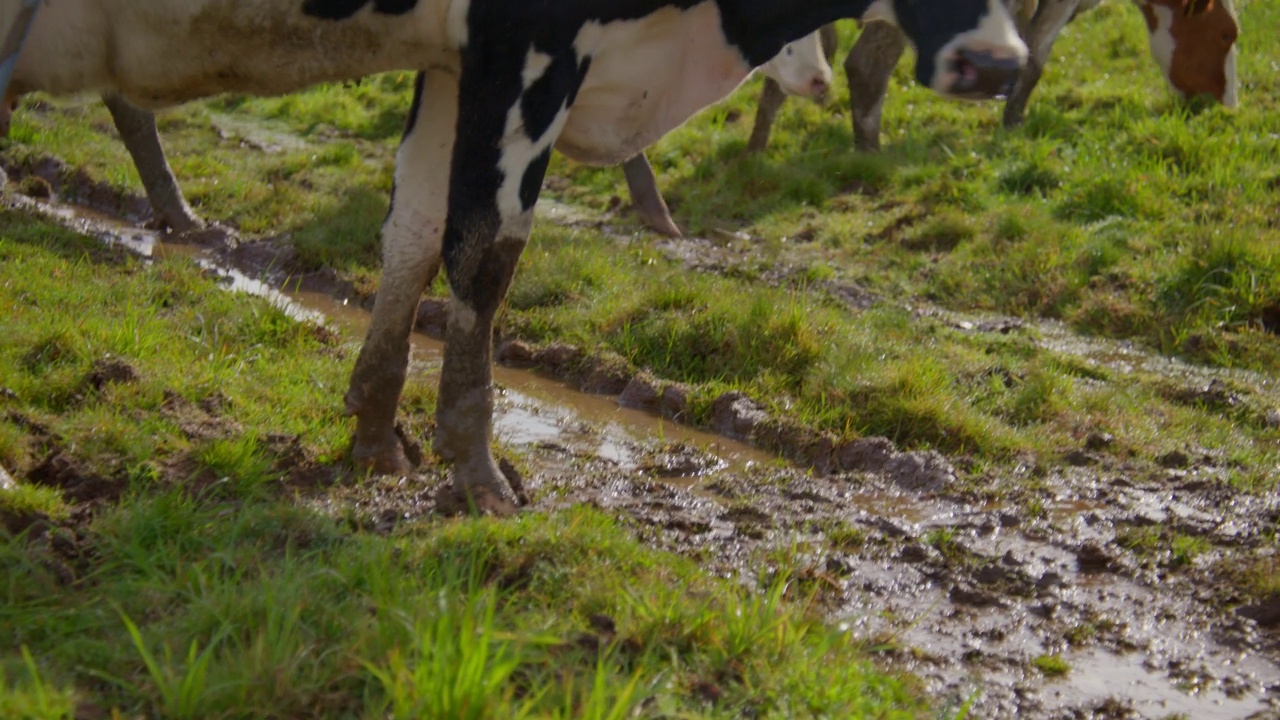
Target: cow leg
<point>137,128</point>
<point>645,195</point>
<point>411,242</point>
<point>511,119</point>
<point>771,100</point>
<point>868,68</point>
<point>1051,16</point>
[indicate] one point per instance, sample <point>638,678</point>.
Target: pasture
<point>1070,329</point>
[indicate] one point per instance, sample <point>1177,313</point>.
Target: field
<point>1010,396</point>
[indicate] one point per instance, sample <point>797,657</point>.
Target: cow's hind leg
<point>647,198</point>
<point>411,241</point>
<point>1051,16</point>
<point>514,115</point>
<point>868,68</point>
<point>137,129</point>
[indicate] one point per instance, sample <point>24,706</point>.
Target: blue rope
<point>14,36</point>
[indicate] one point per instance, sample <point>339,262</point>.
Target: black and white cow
<point>1192,42</point>
<point>502,83</point>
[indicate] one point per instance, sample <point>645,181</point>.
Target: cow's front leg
<point>868,68</point>
<point>772,98</point>
<point>137,128</point>
<point>509,118</point>
<point>1051,16</point>
<point>411,242</point>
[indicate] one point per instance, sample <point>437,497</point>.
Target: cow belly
<point>648,77</point>
<point>164,52</point>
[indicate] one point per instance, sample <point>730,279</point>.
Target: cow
<point>500,84</point>
<point>1192,41</point>
<point>803,68</point>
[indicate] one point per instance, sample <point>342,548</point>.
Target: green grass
<point>1051,665</point>
<point>210,591</point>
<point>1113,209</point>
<point>1114,212</point>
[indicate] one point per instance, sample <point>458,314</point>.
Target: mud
<point>965,581</point>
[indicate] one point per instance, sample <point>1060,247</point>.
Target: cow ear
<point>1196,7</point>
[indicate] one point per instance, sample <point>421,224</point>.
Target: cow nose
<point>818,89</point>
<point>980,75</point>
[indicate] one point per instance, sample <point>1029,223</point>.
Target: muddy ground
<point>1022,594</point>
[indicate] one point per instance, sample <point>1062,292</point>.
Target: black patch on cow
<point>531,183</point>
<point>419,83</point>
<point>555,90</point>
<point>343,9</point>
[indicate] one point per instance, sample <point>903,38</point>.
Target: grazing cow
<point>502,82</point>
<point>1193,42</point>
<point>803,68</point>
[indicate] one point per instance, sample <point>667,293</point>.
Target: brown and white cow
<point>502,82</point>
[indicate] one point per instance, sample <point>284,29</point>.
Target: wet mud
<point>1057,602</point>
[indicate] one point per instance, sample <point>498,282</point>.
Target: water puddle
<point>532,409</point>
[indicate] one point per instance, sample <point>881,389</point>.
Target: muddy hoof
<point>453,501</point>
<point>208,236</point>
<point>662,224</point>
<point>386,458</point>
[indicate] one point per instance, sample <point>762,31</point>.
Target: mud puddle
<point>1013,613</point>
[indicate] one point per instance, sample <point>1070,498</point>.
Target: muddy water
<point>532,409</point>
<point>965,593</point>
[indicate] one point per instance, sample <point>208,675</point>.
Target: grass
<point>210,591</point>
<point>1113,210</point>
<point>1051,665</point>
<point>1114,219</point>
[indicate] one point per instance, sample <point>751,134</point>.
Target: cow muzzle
<point>979,75</point>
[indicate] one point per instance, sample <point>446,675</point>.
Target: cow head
<point>966,48</point>
<point>1194,42</point>
<point>801,68</point>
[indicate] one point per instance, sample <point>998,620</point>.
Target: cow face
<point>967,48</point>
<point>801,68</point>
<point>1194,42</point>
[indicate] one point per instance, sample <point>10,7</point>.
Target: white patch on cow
<point>880,10</point>
<point>165,52</point>
<point>461,316</point>
<point>412,234</point>
<point>455,21</point>
<point>535,66</point>
<point>648,76</point>
<point>1162,44</point>
<point>519,151</point>
<point>801,68</point>
<point>1231,98</point>
<point>996,34</point>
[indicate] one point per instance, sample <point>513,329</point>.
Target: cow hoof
<point>390,457</point>
<point>662,224</point>
<point>452,500</point>
<point>206,236</point>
